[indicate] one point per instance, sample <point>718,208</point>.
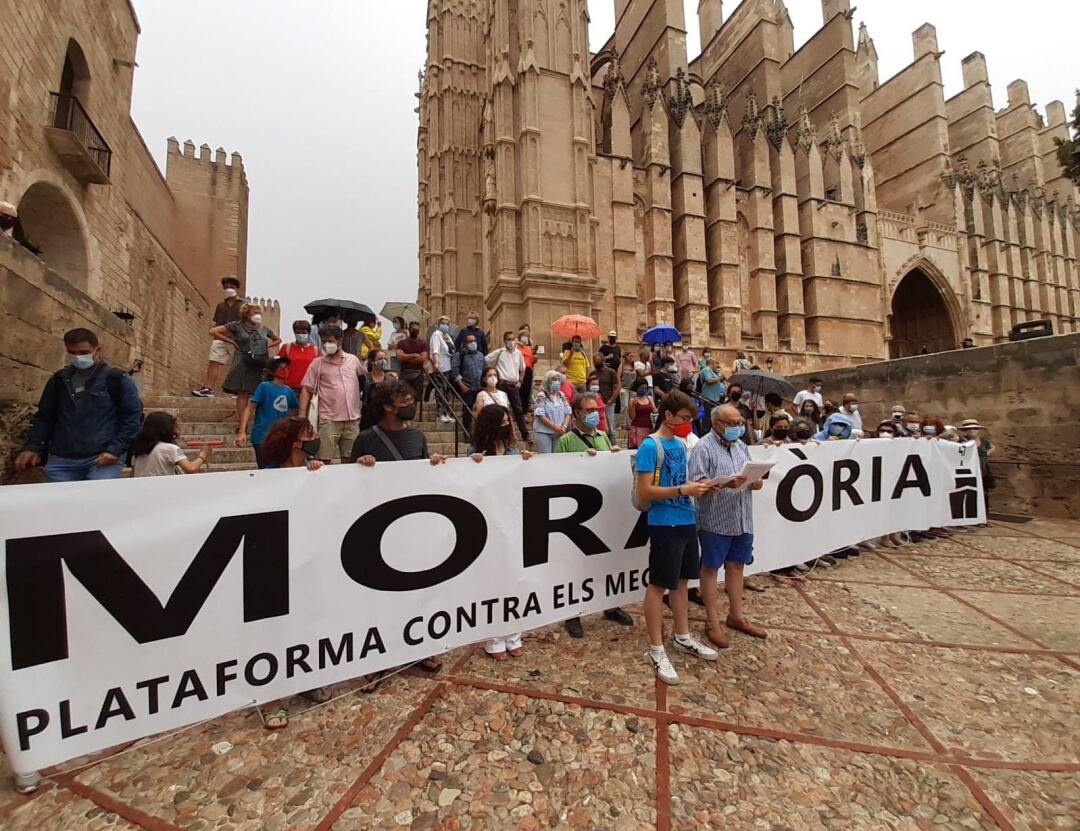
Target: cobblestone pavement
<point>935,686</point>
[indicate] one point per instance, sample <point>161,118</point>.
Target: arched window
<point>74,83</point>
<point>53,230</point>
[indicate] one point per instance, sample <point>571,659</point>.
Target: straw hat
<point>970,424</point>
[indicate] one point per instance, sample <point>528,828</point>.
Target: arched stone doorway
<point>920,316</point>
<point>50,225</point>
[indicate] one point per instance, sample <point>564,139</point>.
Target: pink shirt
<point>337,385</point>
<point>686,362</point>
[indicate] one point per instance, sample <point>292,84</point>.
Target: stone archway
<point>921,314</point>
<point>52,227</point>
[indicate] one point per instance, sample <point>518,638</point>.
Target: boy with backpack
<point>661,488</point>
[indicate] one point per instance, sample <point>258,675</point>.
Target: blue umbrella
<point>661,333</point>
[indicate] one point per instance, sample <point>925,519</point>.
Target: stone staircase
<point>214,419</point>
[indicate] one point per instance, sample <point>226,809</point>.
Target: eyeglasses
<point>588,410</point>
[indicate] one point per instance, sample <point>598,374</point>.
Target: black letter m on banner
<point>35,584</point>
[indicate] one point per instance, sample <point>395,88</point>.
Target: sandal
<point>372,681</point>
<point>277,720</point>
<point>319,695</point>
<point>431,665</point>
<point>517,651</point>
<point>496,656</point>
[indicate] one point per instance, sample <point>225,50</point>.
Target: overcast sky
<point>318,97</point>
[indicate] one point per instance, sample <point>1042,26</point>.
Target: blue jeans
<point>544,442</point>
<point>80,470</point>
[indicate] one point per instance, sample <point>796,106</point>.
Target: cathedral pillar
<point>787,247</point>
<point>656,160</point>
<point>721,226</point>
<point>755,175</point>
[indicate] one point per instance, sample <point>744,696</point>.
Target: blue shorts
<point>716,549</point>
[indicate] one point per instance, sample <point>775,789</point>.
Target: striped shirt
<point>727,512</point>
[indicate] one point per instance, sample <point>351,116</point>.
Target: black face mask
<point>735,396</point>
<point>414,333</point>
<point>8,222</point>
<point>407,413</point>
<point>780,433</point>
<point>503,433</point>
<point>802,433</point>
<point>311,448</point>
<point>611,340</point>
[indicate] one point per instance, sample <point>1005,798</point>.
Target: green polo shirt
<point>573,442</point>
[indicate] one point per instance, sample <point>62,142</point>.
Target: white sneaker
<point>445,419</point>
<point>663,668</point>
<point>692,646</point>
<point>27,782</point>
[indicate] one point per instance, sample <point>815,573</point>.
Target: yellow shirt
<point>372,339</point>
<point>577,367</point>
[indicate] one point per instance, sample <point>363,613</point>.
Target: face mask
<point>397,327</point>
<point>492,380</point>
<point>808,411</point>
<point>971,434</point>
<point>472,321</point>
<point>444,327</point>
<point>577,347</point>
<point>230,293</point>
<point>734,396</point>
<point>897,416</point>
<point>311,448</point>
<point>913,427</point>
<point>383,364</point>
<point>930,430</point>
<point>407,413</point>
<point>610,339</point>
<point>303,339</point>
<point>525,339</point>
<point>682,430</point>
<point>885,434</point>
<point>81,361</point>
<point>281,374</point>
<point>472,346</point>
<point>503,433</point>
<point>414,333</point>
<point>594,388</point>
<point>817,389</point>
<point>598,364</point>
<point>836,430</point>
<point>256,319</point>
<point>643,392</point>
<point>802,433</point>
<point>510,345</point>
<point>686,349</point>
<point>854,408</point>
<point>734,433</point>
<point>591,420</point>
<point>330,348</point>
<point>780,433</point>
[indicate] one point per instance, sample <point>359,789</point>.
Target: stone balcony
<point>77,142</point>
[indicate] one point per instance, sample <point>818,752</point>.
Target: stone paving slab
<point>1000,529</point>
<point>1069,572</point>
<point>722,780</point>
<point>795,682</point>
<point>869,567</point>
<point>973,701</point>
<point>1054,621</point>
<point>907,612</point>
<point>1034,801</point>
<point>779,605</point>
<point>268,779</point>
<point>467,765</point>
<point>62,810</point>
<point>987,574</point>
<point>1029,548</point>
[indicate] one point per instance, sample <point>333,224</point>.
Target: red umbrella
<point>581,326</point>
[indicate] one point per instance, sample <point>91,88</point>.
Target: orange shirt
<point>527,354</point>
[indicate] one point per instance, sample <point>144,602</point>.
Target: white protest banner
<point>134,607</point>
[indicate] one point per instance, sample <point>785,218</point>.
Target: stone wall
<point>1026,394</point>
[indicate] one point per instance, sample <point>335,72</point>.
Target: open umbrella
<point>569,326</point>
<point>759,382</point>
<point>349,309</point>
<point>410,311</point>
<point>661,333</point>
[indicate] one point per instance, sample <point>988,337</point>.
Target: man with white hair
<point>725,521</point>
<point>9,218</point>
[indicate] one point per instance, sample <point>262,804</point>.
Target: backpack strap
<point>389,444</point>
<point>113,383</point>
<point>659,457</point>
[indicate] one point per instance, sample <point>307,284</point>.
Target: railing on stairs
<point>439,387</point>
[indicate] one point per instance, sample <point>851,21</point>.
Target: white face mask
<point>256,319</point>
<point>853,408</point>
<point>492,380</point>
<point>330,348</point>
<point>230,293</point>
<point>594,388</point>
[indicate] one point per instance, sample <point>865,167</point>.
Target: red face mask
<point>682,430</point>
<point>281,374</point>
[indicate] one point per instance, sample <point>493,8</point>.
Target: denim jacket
<point>73,425</point>
<point>468,367</point>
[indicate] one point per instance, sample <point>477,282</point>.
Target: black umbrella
<point>350,310</point>
<point>759,382</point>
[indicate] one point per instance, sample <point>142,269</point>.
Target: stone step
<point>186,402</point>
<point>215,467</point>
<point>226,455</point>
<point>217,415</point>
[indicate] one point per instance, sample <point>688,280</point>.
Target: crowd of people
<point>334,393</point>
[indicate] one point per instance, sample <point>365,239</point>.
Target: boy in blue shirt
<point>271,401</point>
<point>673,547</point>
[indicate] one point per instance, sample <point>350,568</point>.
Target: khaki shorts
<point>336,439</point>
<point>220,352</point>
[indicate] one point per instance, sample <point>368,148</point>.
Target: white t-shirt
<point>510,364</point>
<point>856,418</point>
<point>161,461</point>
<point>640,367</point>
<point>486,397</point>
<point>806,395</point>
<point>439,351</point>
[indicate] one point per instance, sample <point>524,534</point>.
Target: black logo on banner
<point>964,501</point>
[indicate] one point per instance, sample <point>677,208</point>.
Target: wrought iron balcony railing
<point>68,115</point>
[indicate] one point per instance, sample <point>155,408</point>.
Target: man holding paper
<point>725,518</point>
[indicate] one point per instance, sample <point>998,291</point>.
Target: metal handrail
<point>68,114</point>
<point>441,398</point>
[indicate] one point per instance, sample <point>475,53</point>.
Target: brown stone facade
<point>788,203</point>
<point>1024,393</point>
<point>114,235</point>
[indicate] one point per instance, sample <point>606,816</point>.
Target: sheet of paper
<point>754,472</point>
